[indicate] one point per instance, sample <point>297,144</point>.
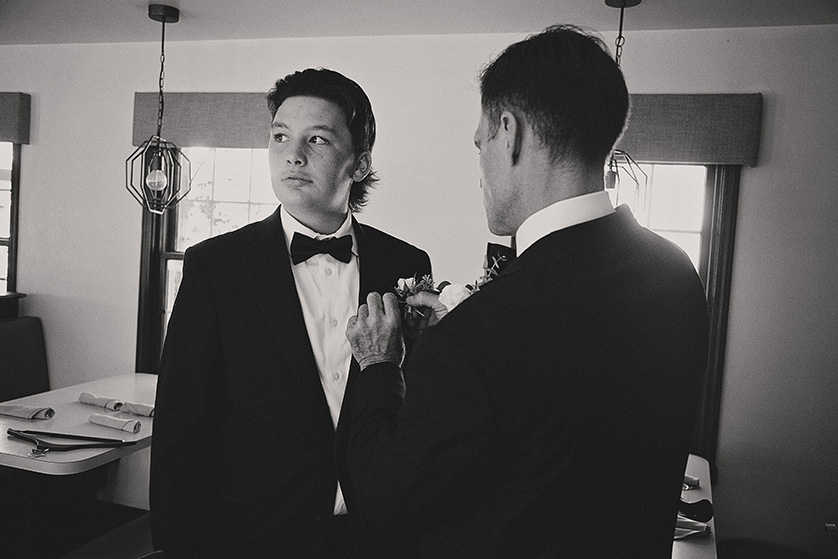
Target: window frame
<point>716,272</point>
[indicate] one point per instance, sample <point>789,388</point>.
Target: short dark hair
<point>564,83</point>
<point>352,101</point>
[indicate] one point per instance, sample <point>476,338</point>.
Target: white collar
<point>560,215</point>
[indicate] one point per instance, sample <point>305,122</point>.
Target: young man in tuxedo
<point>256,362</point>
<point>550,413</point>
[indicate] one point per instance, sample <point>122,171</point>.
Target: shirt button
<point>336,376</point>
<point>328,271</point>
<point>334,322</point>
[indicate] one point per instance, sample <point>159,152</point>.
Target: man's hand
<point>375,332</point>
<point>428,302</point>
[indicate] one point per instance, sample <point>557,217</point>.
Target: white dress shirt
<point>560,215</point>
<point>328,291</point>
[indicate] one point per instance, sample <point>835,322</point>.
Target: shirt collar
<point>290,225</point>
<point>560,215</point>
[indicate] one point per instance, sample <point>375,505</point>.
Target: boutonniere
<point>450,294</point>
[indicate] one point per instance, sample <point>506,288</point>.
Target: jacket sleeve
<point>181,480</point>
<point>407,457</point>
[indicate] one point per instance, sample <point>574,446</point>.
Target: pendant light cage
<point>158,174</point>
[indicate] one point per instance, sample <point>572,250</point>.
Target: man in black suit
<point>549,414</point>
<point>256,361</point>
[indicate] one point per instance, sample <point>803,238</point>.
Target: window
<point>230,188</point>
<point>670,203</point>
<point>694,206</point>
<point>9,185</point>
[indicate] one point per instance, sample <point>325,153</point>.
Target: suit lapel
<point>268,270</point>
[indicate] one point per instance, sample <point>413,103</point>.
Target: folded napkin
<point>116,405</point>
<point>27,412</point>
<point>691,482</point>
<point>102,402</point>
<point>129,425</point>
<point>686,527</point>
<point>137,409</point>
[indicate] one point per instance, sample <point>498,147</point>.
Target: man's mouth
<point>296,178</point>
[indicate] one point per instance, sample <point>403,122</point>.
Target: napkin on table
<point>129,425</point>
<point>27,412</point>
<point>116,405</point>
<point>137,409</point>
<point>101,401</point>
<point>687,527</point>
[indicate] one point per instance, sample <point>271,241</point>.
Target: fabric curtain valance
<point>14,117</point>
<point>223,120</point>
<point>703,129</point>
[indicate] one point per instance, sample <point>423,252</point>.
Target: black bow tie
<point>304,247</point>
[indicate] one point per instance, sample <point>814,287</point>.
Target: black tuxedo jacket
<point>243,460</point>
<point>549,414</point>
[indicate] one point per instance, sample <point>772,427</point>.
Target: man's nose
<point>296,154</point>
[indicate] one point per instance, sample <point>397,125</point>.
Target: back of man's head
<point>564,84</point>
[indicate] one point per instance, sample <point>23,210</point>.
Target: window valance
<point>710,129</point>
<point>224,120</point>
<point>705,129</point>
<point>14,117</point>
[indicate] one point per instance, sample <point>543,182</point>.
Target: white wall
<point>80,230</point>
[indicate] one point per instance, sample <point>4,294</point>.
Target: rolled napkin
<point>685,527</point>
<point>130,425</point>
<point>27,412</point>
<point>102,402</point>
<point>137,409</point>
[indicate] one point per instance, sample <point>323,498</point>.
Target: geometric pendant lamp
<point>158,175</point>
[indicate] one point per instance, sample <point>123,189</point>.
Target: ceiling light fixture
<point>620,160</point>
<point>158,174</point>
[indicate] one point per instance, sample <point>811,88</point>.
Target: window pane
<point>227,216</point>
<point>5,155</point>
<point>174,273</point>
<point>5,213</point>
<point>669,200</point>
<point>203,169</point>
<point>261,191</point>
<point>676,201</point>
<point>230,188</point>
<point>232,175</point>
<point>5,194</point>
<point>4,268</point>
<point>194,222</point>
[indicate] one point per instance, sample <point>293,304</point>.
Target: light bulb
<point>156,180</point>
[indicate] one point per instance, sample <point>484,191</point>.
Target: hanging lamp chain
<point>160,83</point>
<point>620,39</point>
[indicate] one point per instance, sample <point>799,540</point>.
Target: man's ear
<point>363,165</point>
<point>511,128</point>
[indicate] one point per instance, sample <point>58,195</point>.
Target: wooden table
<point>71,416</point>
<point>697,547</point>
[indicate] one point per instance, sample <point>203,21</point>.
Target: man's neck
<point>547,184</point>
<point>322,224</point>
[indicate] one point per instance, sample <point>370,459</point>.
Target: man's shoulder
<point>231,240</point>
<point>380,240</point>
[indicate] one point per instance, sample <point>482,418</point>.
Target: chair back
<point>23,358</point>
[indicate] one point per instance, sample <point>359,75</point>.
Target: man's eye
<point>279,137</point>
<point>318,140</point>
